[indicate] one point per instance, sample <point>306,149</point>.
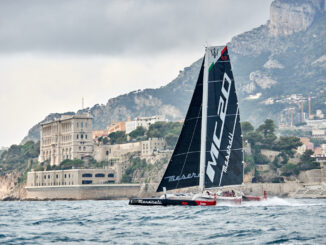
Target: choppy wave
<point>273,221</point>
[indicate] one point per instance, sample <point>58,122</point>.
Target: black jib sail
<point>183,168</point>
<point>224,157</point>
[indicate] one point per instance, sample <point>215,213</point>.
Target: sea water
<point>274,221</point>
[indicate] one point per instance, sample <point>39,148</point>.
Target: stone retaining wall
<point>83,192</point>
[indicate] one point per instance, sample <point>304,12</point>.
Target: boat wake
<point>272,201</point>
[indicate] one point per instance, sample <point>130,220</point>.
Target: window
<point>81,124</point>
<point>44,176</point>
<point>69,175</point>
<point>85,136</point>
<point>77,125</point>
<point>111,182</point>
<point>100,175</point>
<point>111,175</point>
<point>87,175</point>
<point>107,153</point>
<point>48,176</point>
<point>81,136</point>
<point>84,148</point>
<point>65,176</point>
<point>57,176</point>
<point>87,182</point>
<point>80,148</point>
<point>77,136</point>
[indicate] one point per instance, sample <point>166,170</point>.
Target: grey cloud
<point>115,27</point>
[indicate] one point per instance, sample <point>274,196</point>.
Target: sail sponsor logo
<point>182,177</point>
<point>214,52</point>
<point>217,137</point>
<point>228,153</point>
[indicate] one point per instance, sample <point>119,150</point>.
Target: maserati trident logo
<point>214,52</point>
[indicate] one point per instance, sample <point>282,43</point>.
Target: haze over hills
<point>285,56</point>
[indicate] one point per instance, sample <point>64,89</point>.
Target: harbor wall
<point>83,192</point>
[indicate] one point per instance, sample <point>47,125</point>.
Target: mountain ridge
<point>264,62</point>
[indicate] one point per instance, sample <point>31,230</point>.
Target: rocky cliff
<point>285,56</point>
<point>9,187</point>
<point>287,17</point>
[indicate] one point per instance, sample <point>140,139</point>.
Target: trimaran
<point>209,150</point>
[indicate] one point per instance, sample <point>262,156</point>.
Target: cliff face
<point>9,190</point>
<point>287,17</point>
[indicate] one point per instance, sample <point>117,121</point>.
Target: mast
<point>204,125</point>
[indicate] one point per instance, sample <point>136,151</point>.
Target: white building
<point>71,177</point>
<point>143,122</point>
<point>69,137</point>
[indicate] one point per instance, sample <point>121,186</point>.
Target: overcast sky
<point>53,53</point>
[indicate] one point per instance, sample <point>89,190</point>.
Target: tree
<point>118,137</point>
<point>139,131</point>
<point>254,138</point>
<point>267,130</point>
<point>246,128</point>
<point>307,162</point>
<point>171,140</point>
<point>288,144</point>
<point>157,130</point>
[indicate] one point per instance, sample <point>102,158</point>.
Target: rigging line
<point>192,136</point>
<point>192,118</point>
<point>193,152</point>
<point>219,81</point>
<point>225,115</point>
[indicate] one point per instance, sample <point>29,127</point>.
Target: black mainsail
<point>183,168</point>
<point>209,148</point>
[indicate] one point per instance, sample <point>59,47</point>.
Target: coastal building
<point>69,137</point>
<point>152,145</point>
<point>119,151</point>
<point>144,122</point>
<point>99,133</point>
<point>71,177</point>
<point>78,184</point>
<point>306,145</point>
<point>116,126</point>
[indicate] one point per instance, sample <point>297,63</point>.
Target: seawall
<point>83,192</point>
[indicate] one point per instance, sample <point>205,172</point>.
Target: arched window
<point>87,175</point>
<point>99,175</point>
